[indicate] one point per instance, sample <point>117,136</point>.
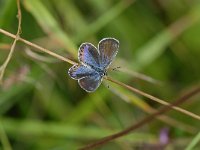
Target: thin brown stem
<point>39,47</point>
<point>154,98</point>
<point>143,121</point>
<point>5,64</point>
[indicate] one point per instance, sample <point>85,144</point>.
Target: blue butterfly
<point>94,63</point>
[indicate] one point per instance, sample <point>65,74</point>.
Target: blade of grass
<point>4,138</point>
<point>8,13</point>
<point>71,11</point>
<point>87,106</point>
<point>103,20</point>
<point>155,47</point>
<point>38,128</point>
<point>140,76</point>
<point>194,142</point>
<point>7,99</point>
<point>50,25</point>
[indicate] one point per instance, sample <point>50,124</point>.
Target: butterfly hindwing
<point>88,55</point>
<point>79,71</point>
<point>90,83</point>
<point>108,48</point>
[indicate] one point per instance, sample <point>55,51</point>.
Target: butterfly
<point>94,63</point>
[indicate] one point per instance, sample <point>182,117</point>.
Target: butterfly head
<point>105,73</point>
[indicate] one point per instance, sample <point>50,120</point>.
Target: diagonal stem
<point>38,47</point>
<point>154,98</point>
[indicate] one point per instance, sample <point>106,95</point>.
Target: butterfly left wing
<point>88,55</point>
<point>79,71</point>
<point>90,83</point>
<point>87,77</point>
<point>108,48</point>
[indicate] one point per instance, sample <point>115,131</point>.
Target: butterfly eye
<point>105,73</point>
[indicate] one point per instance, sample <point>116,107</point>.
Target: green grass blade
<point>37,128</point>
<point>194,142</point>
<point>50,25</point>
<point>103,20</point>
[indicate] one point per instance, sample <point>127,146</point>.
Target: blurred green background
<point>42,108</point>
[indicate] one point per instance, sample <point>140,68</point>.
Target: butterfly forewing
<point>108,48</point>
<point>79,71</point>
<point>88,55</point>
<point>90,83</point>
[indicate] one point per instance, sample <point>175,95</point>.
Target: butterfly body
<point>94,63</point>
<point>101,72</point>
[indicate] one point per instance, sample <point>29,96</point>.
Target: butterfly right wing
<point>79,71</point>
<point>108,48</point>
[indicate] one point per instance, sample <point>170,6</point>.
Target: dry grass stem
<point>38,47</point>
<point>17,36</point>
<point>154,98</point>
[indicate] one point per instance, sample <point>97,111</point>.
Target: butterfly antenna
<point>116,68</point>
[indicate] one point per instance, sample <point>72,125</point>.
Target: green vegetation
<point>42,108</point>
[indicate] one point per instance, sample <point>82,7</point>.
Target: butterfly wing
<point>79,71</point>
<point>88,55</point>
<point>108,48</point>
<point>90,83</point>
